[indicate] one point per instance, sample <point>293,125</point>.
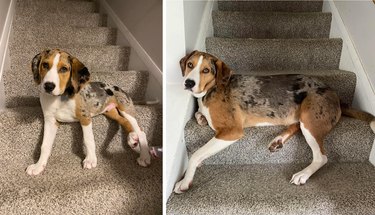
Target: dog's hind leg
<point>281,139</point>
<point>130,124</point>
<point>319,114</point>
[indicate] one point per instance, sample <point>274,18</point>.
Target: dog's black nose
<point>189,84</point>
<point>49,86</point>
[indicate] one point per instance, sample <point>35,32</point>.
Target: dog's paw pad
<point>181,187</point>
<point>89,163</point>
<point>133,141</point>
<point>35,169</point>
<point>275,144</point>
<point>300,178</point>
<point>201,120</point>
<point>144,160</point>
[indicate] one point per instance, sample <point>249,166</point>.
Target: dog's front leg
<point>88,138</point>
<point>213,146</point>
<point>50,129</point>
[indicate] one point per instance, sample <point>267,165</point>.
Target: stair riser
<point>25,92</point>
<point>65,35</point>
<point>55,7</point>
<point>282,6</point>
<point>78,20</point>
<point>271,25</point>
<point>250,54</point>
<point>341,144</point>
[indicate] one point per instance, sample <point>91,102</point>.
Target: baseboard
<point>4,51</point>
<point>364,94</point>
<point>133,42</point>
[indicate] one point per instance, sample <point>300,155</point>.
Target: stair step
<point>66,188</point>
<point>94,57</point>
<point>265,25</point>
<point>24,92</point>
<point>337,188</point>
<point>78,20</point>
<point>96,36</point>
<point>350,141</point>
<point>276,54</point>
<point>67,7</point>
<point>22,134</point>
<point>34,18</point>
<point>281,6</point>
<point>343,82</point>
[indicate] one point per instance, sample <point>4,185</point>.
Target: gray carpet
<point>337,188</point>
<point>118,185</point>
<point>270,38</point>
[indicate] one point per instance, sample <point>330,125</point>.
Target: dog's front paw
<point>89,162</point>
<point>300,178</point>
<point>275,144</point>
<point>133,141</point>
<point>35,169</point>
<point>181,186</point>
<point>201,120</point>
<point>144,160</point>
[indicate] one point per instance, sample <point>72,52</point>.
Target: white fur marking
<point>88,139</point>
<point>205,112</point>
<point>318,159</point>
<point>263,124</point>
<point>195,76</point>
<point>53,76</point>
<point>211,148</point>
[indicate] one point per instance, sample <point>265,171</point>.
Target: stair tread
<point>70,7</point>
<point>243,24</point>
<point>25,92</point>
<point>286,6</point>
<point>114,186</point>
<point>350,141</point>
<point>33,18</point>
<point>276,54</point>
<point>337,188</point>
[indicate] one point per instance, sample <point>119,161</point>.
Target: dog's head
<point>58,72</point>
<point>203,71</point>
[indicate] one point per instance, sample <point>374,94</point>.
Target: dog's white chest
<point>62,111</point>
<point>205,111</point>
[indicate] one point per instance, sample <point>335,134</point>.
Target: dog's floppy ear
<point>223,74</point>
<point>80,75</point>
<point>183,61</point>
<point>35,65</point>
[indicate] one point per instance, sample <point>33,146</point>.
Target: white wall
<point>6,14</point>
<point>144,21</point>
<point>189,23</point>
<point>356,31</point>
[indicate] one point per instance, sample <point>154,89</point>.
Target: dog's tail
<point>357,114</point>
<point>154,102</point>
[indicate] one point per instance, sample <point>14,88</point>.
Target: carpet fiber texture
<point>118,185</point>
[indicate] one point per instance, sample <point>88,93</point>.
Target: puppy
<point>66,95</point>
<point>229,103</point>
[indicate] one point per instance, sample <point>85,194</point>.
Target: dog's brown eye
<point>63,69</point>
<point>45,65</point>
<point>190,65</point>
<point>206,71</point>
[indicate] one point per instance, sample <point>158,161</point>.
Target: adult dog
<point>229,103</point>
<point>66,95</point>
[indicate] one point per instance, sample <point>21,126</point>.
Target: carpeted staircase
<point>270,37</point>
<point>118,185</point>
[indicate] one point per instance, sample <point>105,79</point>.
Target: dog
<point>67,95</point>
<point>228,103</point>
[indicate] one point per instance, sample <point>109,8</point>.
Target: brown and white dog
<point>66,95</point>
<point>229,103</point>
